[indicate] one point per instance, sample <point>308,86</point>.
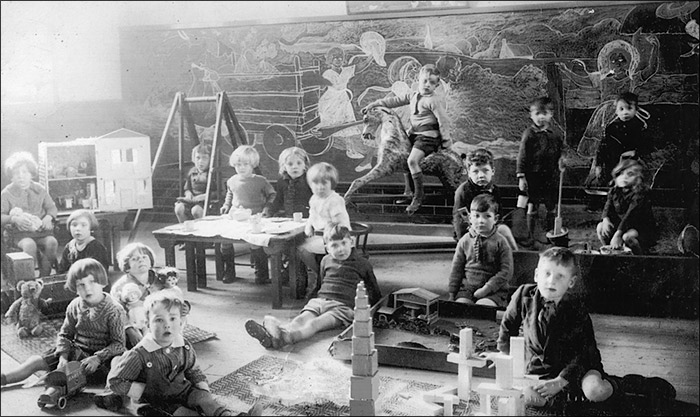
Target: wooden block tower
<point>508,368</point>
<point>364,387</point>
<point>465,361</point>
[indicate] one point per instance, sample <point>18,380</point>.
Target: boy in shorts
<point>333,305</point>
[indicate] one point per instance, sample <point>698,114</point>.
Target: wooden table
<point>195,259</point>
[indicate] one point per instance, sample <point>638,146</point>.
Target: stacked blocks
<point>21,267</point>
<point>508,367</point>
<point>364,387</point>
<point>465,361</point>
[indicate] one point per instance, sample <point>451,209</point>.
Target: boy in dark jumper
<point>333,305</point>
<point>560,343</point>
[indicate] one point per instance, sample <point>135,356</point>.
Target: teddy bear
<point>34,220</point>
<point>131,297</point>
<point>27,310</point>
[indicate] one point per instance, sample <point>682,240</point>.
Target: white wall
<point>54,52</point>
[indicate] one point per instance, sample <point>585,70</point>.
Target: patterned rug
<point>322,387</point>
<point>21,349</point>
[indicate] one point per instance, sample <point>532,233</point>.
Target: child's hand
<point>200,197</point>
<point>551,387</point>
<point>481,292</point>
<point>522,184</point>
<point>91,364</point>
<point>202,385</point>
<point>607,226</point>
<point>628,154</point>
<point>598,171</point>
<point>223,210</point>
<point>188,195</point>
<point>369,107</point>
<point>47,223</point>
<point>451,297</point>
<point>616,241</point>
<point>309,230</point>
<point>266,212</point>
<point>62,361</point>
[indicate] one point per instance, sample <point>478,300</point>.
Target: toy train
<point>61,385</point>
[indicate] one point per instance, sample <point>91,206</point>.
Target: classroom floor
<point>652,347</point>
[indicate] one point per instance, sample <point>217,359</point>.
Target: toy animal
<point>167,278</point>
<point>131,297</point>
<point>394,148</point>
<point>62,384</point>
<point>27,310</point>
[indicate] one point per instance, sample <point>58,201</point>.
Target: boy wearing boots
<point>560,342</point>
<point>428,131</point>
<point>539,160</point>
<point>247,190</point>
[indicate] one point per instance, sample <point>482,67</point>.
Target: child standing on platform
<point>162,370</point>
<point>428,131</point>
<point>92,332</point>
<point>195,188</point>
<point>540,160</point>
<point>333,306</point>
<point>628,217</point>
<point>560,341</point>
<point>81,223</point>
<point>247,190</point>
<point>29,209</point>
<point>482,266</point>
<point>136,259</point>
<point>293,191</point>
<point>481,171</point>
<point>325,207</point>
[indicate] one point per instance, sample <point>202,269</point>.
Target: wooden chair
<point>361,232</point>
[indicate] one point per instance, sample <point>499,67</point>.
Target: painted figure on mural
<point>618,71</point>
<point>334,106</point>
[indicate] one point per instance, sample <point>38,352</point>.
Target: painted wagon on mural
<point>279,109</point>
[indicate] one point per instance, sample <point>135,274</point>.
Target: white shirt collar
<point>151,345</point>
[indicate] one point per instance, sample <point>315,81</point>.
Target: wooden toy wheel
<point>40,404</point>
<point>61,402</point>
<point>276,139</point>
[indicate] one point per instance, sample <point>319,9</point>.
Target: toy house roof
<point>122,133</point>
<point>418,292</point>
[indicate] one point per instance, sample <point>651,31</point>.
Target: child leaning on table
<point>482,266</point>
<point>161,371</point>
<point>81,223</point>
<point>341,270</point>
<point>293,191</point>
<point>560,343</point>
<point>92,332</point>
<point>247,190</point>
<point>195,189</point>
<point>325,207</point>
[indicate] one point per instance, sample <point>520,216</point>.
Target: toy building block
<point>517,351</point>
<point>445,396</point>
<point>362,345</point>
<point>511,401</point>
<point>465,361</point>
<point>364,365</point>
<point>425,408</point>
<point>504,371</point>
<point>364,387</point>
<point>361,407</point>
<point>361,328</point>
<point>21,266</point>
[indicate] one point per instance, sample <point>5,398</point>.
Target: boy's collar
<point>474,233</point>
<point>488,187</point>
<point>542,129</point>
<point>149,343</point>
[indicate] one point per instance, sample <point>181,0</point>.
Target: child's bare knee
<point>595,388</point>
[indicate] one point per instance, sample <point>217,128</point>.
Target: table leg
<point>200,262</point>
<point>191,266</point>
<point>293,264</point>
<point>275,267</point>
<point>219,262</point>
<point>169,249</point>
<point>116,243</point>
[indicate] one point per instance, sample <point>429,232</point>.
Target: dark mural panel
<point>283,89</point>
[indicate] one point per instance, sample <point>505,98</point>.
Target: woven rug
<point>322,388</point>
<point>21,349</point>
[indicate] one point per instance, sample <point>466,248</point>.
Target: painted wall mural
<point>305,83</point>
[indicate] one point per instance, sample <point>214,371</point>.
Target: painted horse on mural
<point>394,147</point>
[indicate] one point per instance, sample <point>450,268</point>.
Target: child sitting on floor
<point>81,223</point>
<point>195,188</point>
<point>92,332</point>
<point>161,370</point>
<point>325,207</point>
<point>560,342</point>
<point>341,270</point>
<point>247,190</point>
<point>482,266</point>
<point>628,217</point>
<point>481,171</point>
<point>136,259</point>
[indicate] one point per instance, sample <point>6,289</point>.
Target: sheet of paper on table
<point>238,230</point>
